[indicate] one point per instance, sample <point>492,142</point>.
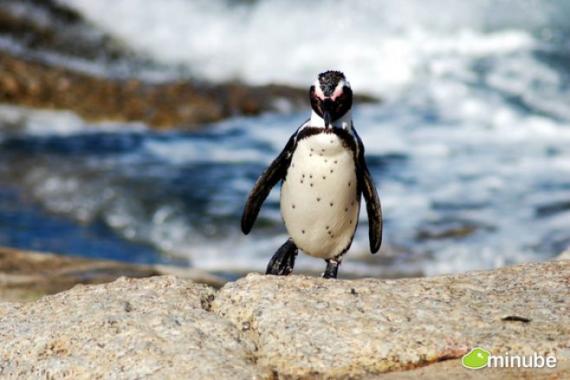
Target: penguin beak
<point>327,118</point>
<point>327,107</point>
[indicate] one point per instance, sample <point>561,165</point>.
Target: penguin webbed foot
<point>283,261</point>
<point>332,269</point>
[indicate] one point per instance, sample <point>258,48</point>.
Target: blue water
<point>25,225</point>
<point>470,148</point>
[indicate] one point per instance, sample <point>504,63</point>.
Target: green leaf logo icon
<point>476,358</point>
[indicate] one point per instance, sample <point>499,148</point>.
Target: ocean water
<point>470,147</point>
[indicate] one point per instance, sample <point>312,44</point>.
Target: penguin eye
<point>343,96</point>
<point>346,93</point>
<point>344,101</point>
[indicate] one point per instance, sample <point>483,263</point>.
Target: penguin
<point>324,175</point>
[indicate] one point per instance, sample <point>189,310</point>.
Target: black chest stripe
<point>348,140</point>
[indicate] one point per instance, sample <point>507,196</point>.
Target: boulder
<point>293,327</point>
<point>158,327</point>
<point>305,326</point>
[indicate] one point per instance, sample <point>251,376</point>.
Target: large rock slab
<point>270,327</point>
<point>157,327</point>
<point>311,327</point>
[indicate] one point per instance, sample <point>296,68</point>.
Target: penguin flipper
<point>269,178</point>
<point>373,206</point>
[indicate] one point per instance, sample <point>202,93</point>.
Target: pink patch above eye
<point>319,93</point>
<point>337,92</point>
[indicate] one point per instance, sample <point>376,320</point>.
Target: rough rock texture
<point>452,369</point>
<point>314,327</point>
<point>26,275</point>
<point>295,327</point>
<point>155,327</point>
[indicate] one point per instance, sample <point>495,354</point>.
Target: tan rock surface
<point>294,327</point>
<point>452,369</point>
<point>313,327</point>
<point>156,327</point>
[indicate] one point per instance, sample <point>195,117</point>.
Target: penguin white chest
<point>319,201</point>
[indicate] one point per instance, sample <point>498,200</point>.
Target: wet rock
<point>38,26</point>
<point>337,329</point>
<point>26,275</point>
<point>180,103</point>
<point>427,233</point>
<point>172,104</point>
<point>553,208</point>
<point>450,229</point>
<point>157,327</point>
<point>63,62</point>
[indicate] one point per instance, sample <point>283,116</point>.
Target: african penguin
<point>323,174</point>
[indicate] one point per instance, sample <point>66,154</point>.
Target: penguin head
<point>331,96</point>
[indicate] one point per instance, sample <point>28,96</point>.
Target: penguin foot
<point>283,261</point>
<point>332,269</point>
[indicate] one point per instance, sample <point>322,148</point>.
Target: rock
<point>50,26</point>
<point>452,369</point>
<point>564,255</point>
<point>336,329</point>
<point>453,228</point>
<point>43,72</point>
<point>181,103</point>
<point>157,327</point>
<point>293,327</point>
<point>26,275</point>
<point>552,208</point>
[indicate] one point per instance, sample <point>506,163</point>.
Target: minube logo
<point>476,358</point>
<point>480,358</point>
